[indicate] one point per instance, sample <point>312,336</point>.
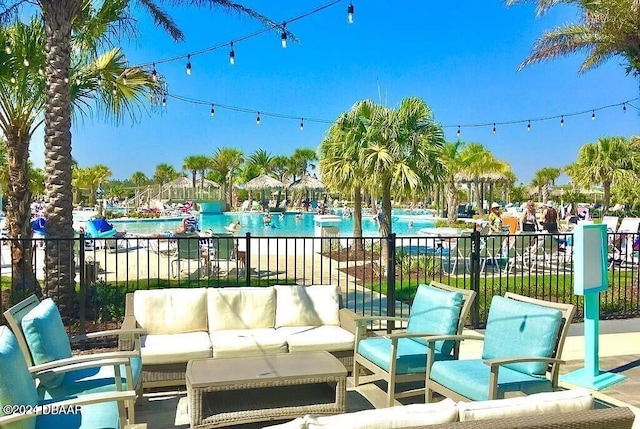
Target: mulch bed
<point>343,255</point>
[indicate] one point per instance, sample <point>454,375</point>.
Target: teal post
<point>591,277</point>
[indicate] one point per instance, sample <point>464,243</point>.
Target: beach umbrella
<point>263,181</point>
<point>307,183</point>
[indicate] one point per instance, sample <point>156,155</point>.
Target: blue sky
<point>460,57</point>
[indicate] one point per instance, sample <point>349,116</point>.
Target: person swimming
<point>233,226</point>
<point>266,219</point>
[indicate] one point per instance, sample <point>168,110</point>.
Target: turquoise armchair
<point>523,341</point>
<point>402,356</point>
<point>18,390</point>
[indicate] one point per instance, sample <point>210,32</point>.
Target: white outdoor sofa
<point>184,324</point>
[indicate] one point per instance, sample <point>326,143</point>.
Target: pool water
<point>288,225</point>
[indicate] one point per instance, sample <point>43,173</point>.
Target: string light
<point>593,115</point>
<point>213,110</point>
<point>189,65</point>
<point>458,132</point>
<point>284,35</point>
<point>164,100</point>
<point>232,55</point>
<point>301,124</point>
<point>494,128</point>
<point>258,119</point>
<point>562,121</point>
<point>624,107</point>
<point>529,126</point>
<point>154,73</point>
<point>350,13</point>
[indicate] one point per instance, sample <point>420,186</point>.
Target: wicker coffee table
<point>229,391</point>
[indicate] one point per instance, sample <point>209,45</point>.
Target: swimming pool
<point>288,225</point>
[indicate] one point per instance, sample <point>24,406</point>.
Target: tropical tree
<point>607,29</point>
<point>302,160</point>
<point>139,178</point>
<point>340,162</point>
<point>543,179</point>
<point>480,161</point>
<point>61,20</point>
<point>401,154</point>
<point>453,161</point>
<point>225,162</point>
<point>22,102</point>
<point>606,162</point>
<point>165,173</point>
<point>196,164</point>
<point>262,160</point>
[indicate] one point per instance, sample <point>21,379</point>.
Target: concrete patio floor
<point>619,353</point>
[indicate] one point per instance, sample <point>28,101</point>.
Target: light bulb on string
<point>25,61</point>
<point>189,65</point>
<point>232,55</point>
<point>213,110</point>
<point>258,119</point>
<point>458,132</point>
<point>529,125</point>
<point>624,107</point>
<point>284,35</point>
<point>350,13</point>
<point>593,115</point>
<point>562,121</point>
<point>154,73</point>
<point>494,128</point>
<point>164,101</point>
<point>301,124</point>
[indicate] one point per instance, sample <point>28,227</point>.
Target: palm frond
<point>162,19</point>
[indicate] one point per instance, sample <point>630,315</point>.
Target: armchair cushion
<point>46,337</point>
<point>247,342</point>
<point>307,305</point>
<point>241,308</point>
<point>532,405</point>
<point>317,338</point>
<point>16,385</point>
<point>101,415</point>
<point>171,311</point>
<point>435,311</point>
<point>174,348</point>
<point>516,328</point>
<point>411,355</point>
<point>470,378</point>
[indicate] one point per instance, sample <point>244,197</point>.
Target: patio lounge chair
<point>43,340</point>
<point>18,393</point>
<point>522,343</point>
<point>189,256</point>
<point>402,357</point>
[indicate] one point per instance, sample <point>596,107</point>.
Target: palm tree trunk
<point>452,202</point>
<point>476,190</point>
<point>357,219</point>
<point>385,221</point>
<point>59,262</point>
<point>606,196</point>
<point>23,279</point>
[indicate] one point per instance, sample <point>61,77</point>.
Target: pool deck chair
<point>522,345</point>
<point>17,388</point>
<point>44,343</point>
<point>402,356</point>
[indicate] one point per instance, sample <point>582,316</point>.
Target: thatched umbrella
<point>307,183</point>
<point>490,178</point>
<point>185,182</point>
<point>263,182</point>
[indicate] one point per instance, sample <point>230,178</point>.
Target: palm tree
<point>139,178</point>
<point>262,160</point>
<point>302,160</point>
<point>543,179</point>
<point>340,163</point>
<point>608,161</point>
<point>196,164</point>
<point>453,161</point>
<point>282,169</point>
<point>401,154</point>
<point>22,101</point>
<point>225,162</point>
<point>165,173</point>
<point>61,20</point>
<point>480,161</point>
<point>608,28</point>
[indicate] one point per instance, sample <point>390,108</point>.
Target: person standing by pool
<point>550,218</point>
<point>495,218</point>
<point>528,220</point>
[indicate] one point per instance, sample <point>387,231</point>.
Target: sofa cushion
<point>307,305</point>
<point>536,404</point>
<point>435,311</point>
<point>241,308</point>
<point>174,348</point>
<point>171,311</point>
<point>474,384</point>
<point>408,416</point>
<point>16,384</point>
<point>46,337</point>
<point>247,342</point>
<point>516,328</point>
<point>317,338</point>
<point>411,355</point>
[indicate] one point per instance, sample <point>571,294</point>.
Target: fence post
<point>247,259</point>
<point>391,281</point>
<point>475,278</point>
<point>83,286</point>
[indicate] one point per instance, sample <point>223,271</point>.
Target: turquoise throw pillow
<point>16,385</point>
<point>46,337</point>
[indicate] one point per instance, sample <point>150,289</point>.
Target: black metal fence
<point>378,275</point>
